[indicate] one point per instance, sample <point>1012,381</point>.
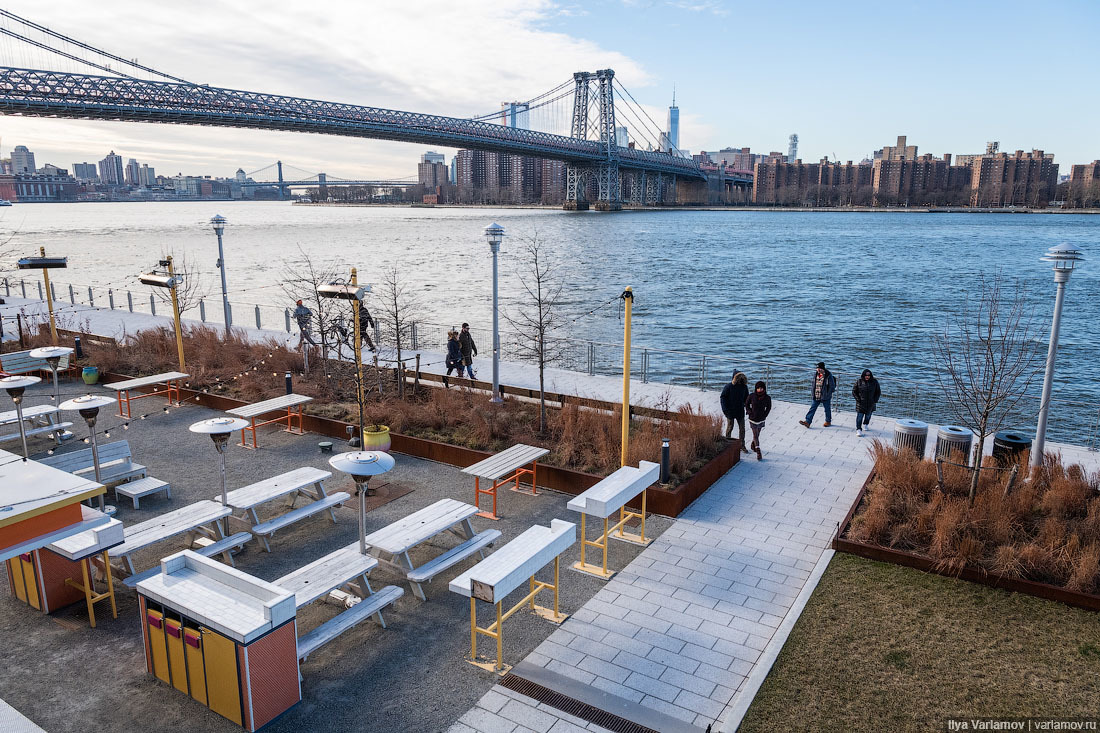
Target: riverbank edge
<point>811,209</point>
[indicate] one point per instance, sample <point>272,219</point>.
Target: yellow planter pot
<point>376,437</point>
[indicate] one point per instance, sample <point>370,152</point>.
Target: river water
<point>853,289</point>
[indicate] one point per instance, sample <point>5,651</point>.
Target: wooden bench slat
<point>275,487</point>
<point>45,429</point>
<point>145,381</point>
<point>166,526</point>
<point>270,526</point>
<point>420,526</point>
<point>506,462</point>
<point>29,413</point>
<point>452,557</point>
<point>310,582</point>
<point>136,490</point>
<point>276,403</point>
<point>326,632</point>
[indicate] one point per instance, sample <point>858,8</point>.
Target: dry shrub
<point>1046,530</point>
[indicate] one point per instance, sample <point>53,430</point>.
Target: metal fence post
<point>91,297</point>
<point>286,315</point>
<point>7,287</point>
<point>111,298</point>
<point>230,306</point>
<point>258,326</point>
<point>202,311</point>
<point>645,366</point>
<point>53,292</point>
<point>72,296</point>
<point>414,339</point>
<point>152,304</point>
<point>591,359</point>
<point>130,301</point>
<point>703,375</point>
<point>40,297</point>
<point>23,285</point>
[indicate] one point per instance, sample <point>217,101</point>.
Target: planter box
<point>974,575</point>
<point>669,502</point>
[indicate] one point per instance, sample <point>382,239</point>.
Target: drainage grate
<point>574,707</point>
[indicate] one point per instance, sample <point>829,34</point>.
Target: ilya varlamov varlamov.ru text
<point>1024,724</point>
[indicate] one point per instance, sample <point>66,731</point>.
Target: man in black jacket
<point>469,350</point>
<point>866,393</point>
<point>733,398</point>
<point>821,393</point>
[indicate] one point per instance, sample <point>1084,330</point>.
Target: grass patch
<point>882,647</point>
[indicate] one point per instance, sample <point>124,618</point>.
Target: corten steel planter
<point>669,502</point>
<point>1046,591</point>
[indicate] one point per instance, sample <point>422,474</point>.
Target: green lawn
<point>881,647</point>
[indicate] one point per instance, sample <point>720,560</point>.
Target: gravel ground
<point>411,676</point>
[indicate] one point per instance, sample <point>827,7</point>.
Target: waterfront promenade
<point>691,627</point>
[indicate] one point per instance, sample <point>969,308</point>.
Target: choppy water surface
<point>852,289</point>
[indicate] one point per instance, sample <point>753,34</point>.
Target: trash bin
<point>1008,445</point>
<point>953,439</point>
<point>911,434</point>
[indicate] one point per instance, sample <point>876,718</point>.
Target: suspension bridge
<point>598,169</point>
<point>300,178</point>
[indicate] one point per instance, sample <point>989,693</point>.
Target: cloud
<point>458,59</point>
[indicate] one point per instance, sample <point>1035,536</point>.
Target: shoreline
<point>786,209</point>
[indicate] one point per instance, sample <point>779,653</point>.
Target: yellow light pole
<point>628,296</point>
<point>358,357</point>
<point>49,299</point>
<point>176,314</point>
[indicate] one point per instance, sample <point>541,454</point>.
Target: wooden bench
<point>326,632</point>
<point>21,362</point>
<point>255,410</point>
<point>136,490</point>
<point>221,547</point>
<point>189,520</point>
<point>115,463</point>
<point>508,465</point>
<point>264,530</point>
<point>392,543</point>
<point>170,381</point>
<point>39,419</point>
<point>604,499</point>
<point>453,556</point>
<point>492,579</point>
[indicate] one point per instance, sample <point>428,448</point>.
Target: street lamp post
<point>88,406</point>
<point>1064,259</point>
<point>354,293</point>
<point>219,429</point>
<point>170,281</point>
<point>15,387</point>
<point>495,233</point>
<point>219,222</point>
<point>46,264</point>
<point>362,465</point>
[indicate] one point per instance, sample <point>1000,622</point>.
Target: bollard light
<point>666,460</point>
<point>494,233</point>
<point>361,465</point>
<point>1064,259</point>
<point>15,387</point>
<point>88,407</point>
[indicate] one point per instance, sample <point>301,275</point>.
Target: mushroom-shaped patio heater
<point>52,355</point>
<point>362,465</point>
<point>219,429</point>
<point>88,407</point>
<point>16,386</point>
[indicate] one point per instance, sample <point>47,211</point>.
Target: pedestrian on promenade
<point>365,322</point>
<point>454,356</point>
<point>757,406</point>
<point>866,393</point>
<point>304,317</point>
<point>734,396</point>
<point>821,393</point>
<point>469,349</point>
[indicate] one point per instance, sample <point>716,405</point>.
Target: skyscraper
<point>147,176</point>
<point>85,171</point>
<point>673,125</point>
<point>432,157</point>
<point>133,172</point>
<point>22,160</point>
<point>110,170</point>
<point>622,137</point>
<point>792,148</point>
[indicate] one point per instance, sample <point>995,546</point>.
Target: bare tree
<point>400,308</point>
<point>301,277</point>
<point>190,289</point>
<point>539,315</point>
<point>990,355</point>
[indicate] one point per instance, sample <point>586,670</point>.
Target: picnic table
<point>257,409</point>
<point>508,465</point>
<point>392,543</point>
<point>292,484</point>
<point>41,419</point>
<point>191,519</point>
<point>169,380</point>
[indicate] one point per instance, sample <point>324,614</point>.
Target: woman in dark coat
<point>733,399</point>
<point>757,407</point>
<point>866,393</point>
<point>454,356</point>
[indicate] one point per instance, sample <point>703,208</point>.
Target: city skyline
<point>275,56</point>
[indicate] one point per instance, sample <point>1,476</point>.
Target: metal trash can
<point>911,434</point>
<point>953,439</point>
<point>1008,445</point>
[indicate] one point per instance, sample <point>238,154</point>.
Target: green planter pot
<point>90,375</point>
<point>376,437</point>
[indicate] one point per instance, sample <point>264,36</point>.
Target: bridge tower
<point>282,188</point>
<point>607,174</point>
<point>577,176</point>
<point>322,186</point>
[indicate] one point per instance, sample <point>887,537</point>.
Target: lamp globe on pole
<point>219,222</point>
<point>1064,258</point>
<point>494,233</point>
<point>361,465</point>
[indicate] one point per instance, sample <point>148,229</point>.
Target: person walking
<point>469,349</point>
<point>821,393</point>
<point>454,356</point>
<point>866,393</point>
<point>733,399</point>
<point>304,317</point>
<point>757,407</point>
<point>365,322</point>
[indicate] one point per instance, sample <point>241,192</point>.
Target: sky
<point>847,77</point>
